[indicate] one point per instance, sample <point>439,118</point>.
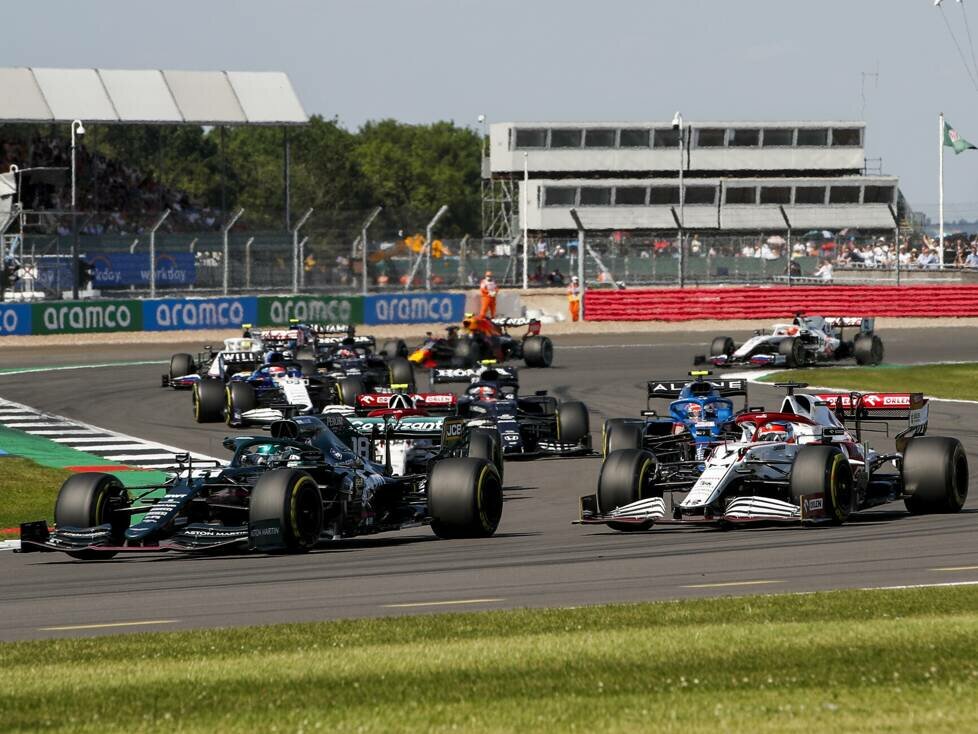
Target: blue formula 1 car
<point>288,492</point>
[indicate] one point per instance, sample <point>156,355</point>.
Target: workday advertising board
<point>75,317</point>
<point>275,310</point>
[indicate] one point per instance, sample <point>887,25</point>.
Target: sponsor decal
<point>336,309</point>
<point>75,317</point>
<point>121,269</point>
<point>414,309</point>
<point>15,319</point>
<point>198,313</point>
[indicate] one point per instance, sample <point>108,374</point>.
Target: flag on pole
<point>953,140</point>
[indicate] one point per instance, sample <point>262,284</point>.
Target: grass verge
<point>27,492</point>
<point>869,661</point>
<point>956,381</point>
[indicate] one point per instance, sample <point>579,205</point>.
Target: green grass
<point>874,661</point>
<point>27,491</point>
<point>958,381</point>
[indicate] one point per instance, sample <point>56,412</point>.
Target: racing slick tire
<point>209,400</point>
<point>868,349</point>
<point>935,475</point>
<point>238,397</point>
<point>538,351</point>
<point>285,512</point>
<point>621,433</point>
<point>401,373</point>
<point>824,470</point>
<point>86,500</point>
<point>467,353</point>
<point>573,424</point>
<point>180,365</point>
<point>465,498</point>
<point>793,350</point>
<point>722,346</point>
<point>348,389</point>
<point>308,367</point>
<point>394,348</point>
<point>485,443</point>
<point>624,477</point>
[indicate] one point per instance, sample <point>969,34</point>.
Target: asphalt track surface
<point>537,559</point>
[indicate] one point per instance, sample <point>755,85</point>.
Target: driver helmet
<point>277,370</point>
<point>776,432</point>
<point>482,392</point>
<point>694,411</point>
<point>344,353</point>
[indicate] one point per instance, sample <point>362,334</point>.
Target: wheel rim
<point>840,488</point>
<point>489,500</point>
<point>305,513</point>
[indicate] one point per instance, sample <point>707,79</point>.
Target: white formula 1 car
<point>803,463</point>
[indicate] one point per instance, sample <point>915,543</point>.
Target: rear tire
<point>465,498</point>
<point>825,470</point>
<point>285,512</point>
<point>349,388</point>
<point>573,424</point>
<point>467,353</point>
<point>538,351</point>
<point>181,365</point>
<point>394,348</point>
<point>401,373</point>
<point>208,399</point>
<point>619,434</point>
<point>624,479</point>
<point>793,351</point>
<point>485,443</point>
<point>722,346</point>
<point>87,500</point>
<point>868,349</point>
<point>238,397</point>
<point>935,475</point>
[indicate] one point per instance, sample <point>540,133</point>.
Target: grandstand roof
<point>149,96</point>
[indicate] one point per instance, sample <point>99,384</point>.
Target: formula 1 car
<point>530,425</point>
<point>485,339</point>
<point>289,492</point>
<point>807,340</point>
<point>700,412</point>
<point>802,463</point>
<point>242,354</point>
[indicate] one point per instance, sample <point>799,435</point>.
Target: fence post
<point>787,247</point>
<point>302,262</point>
<point>248,262</point>
<point>427,246</point>
<point>295,250</point>
<point>463,249</point>
<point>152,253</point>
<point>580,258</point>
<point>896,241</point>
<point>227,255</point>
<point>363,245</point>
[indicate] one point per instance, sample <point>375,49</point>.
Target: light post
<point>678,123</point>
<point>77,128</point>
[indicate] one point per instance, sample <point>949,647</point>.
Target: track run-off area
<point>538,558</point>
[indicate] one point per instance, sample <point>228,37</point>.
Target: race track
<point>537,559</point>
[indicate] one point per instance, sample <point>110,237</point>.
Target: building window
<point>531,138</point>
<point>775,194</point>
<point>742,195</point>
<point>630,195</point>
<point>877,194</point>
<point>599,138</point>
<point>746,138</point>
<point>711,138</point>
<point>846,136</point>
<point>565,138</point>
<point>634,138</point>
<point>778,138</point>
<point>844,195</point>
<point>701,195</point>
<point>666,137</point>
<point>813,136</point>
<point>809,194</point>
<point>664,195</point>
<point>560,196</point>
<point>595,196</point>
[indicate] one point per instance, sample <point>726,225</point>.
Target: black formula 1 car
<point>289,492</point>
<point>482,339</point>
<point>529,425</point>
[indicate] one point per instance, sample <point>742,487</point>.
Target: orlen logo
<point>875,401</point>
<point>813,505</point>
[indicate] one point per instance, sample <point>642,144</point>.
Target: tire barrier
<point>758,302</point>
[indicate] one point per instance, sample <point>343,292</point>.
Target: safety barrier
<point>687,304</point>
<point>169,314</point>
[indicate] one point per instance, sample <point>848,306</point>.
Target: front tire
<point>89,499</point>
<point>573,424</point>
<point>209,400</point>
<point>181,365</point>
<point>619,434</point>
<point>349,388</point>
<point>722,346</point>
<point>394,348</point>
<point>538,351</point>
<point>868,349</point>
<point>824,470</point>
<point>465,498</point>
<point>239,397</point>
<point>401,373</point>
<point>285,512</point>
<point>467,353</point>
<point>793,351</point>
<point>625,478</point>
<point>935,475</point>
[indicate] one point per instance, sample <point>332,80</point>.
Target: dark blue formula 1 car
<point>288,492</point>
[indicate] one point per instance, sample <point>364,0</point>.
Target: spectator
<point>927,259</point>
<point>793,269</point>
<point>959,257</point>
<point>825,271</point>
<point>556,277</point>
<point>574,298</point>
<point>541,248</point>
<point>972,260</point>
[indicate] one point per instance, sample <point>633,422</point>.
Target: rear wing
<point>533,325</point>
<point>429,401</point>
<point>506,375</point>
<point>864,324</point>
<point>881,407</point>
<point>353,341</point>
<point>347,329</point>
<point>671,389</point>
